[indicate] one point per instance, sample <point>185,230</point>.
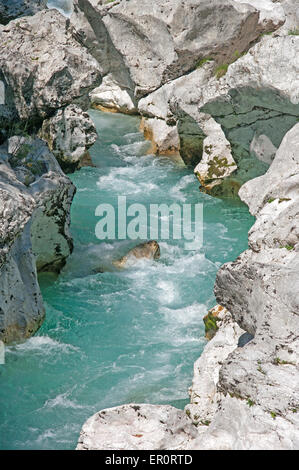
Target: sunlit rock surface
<point>254,106</point>
<point>53,69</point>
<point>137,427</point>
<point>111,96</point>
<point>158,42</point>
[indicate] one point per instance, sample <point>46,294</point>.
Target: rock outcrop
<point>155,43</point>
<point>157,46</point>
<point>35,199</point>
<point>46,78</point>
<point>237,120</point>
<point>48,83</point>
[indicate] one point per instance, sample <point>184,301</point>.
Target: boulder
<point>38,78</point>
<point>146,250</point>
<point>111,97</point>
<point>69,134</point>
<point>164,138</point>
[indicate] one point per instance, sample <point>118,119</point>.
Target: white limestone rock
<point>164,138</point>
<point>254,106</point>
<point>163,40</point>
<point>270,12</point>
<point>69,134</point>
<point>53,69</point>
<point>239,426</point>
<point>273,198</point>
<point>203,392</point>
<point>111,96</point>
<point>291,9</point>
<point>261,290</point>
<point>35,200</point>
<point>137,427</point>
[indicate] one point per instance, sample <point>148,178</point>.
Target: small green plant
<point>271,200</point>
<point>188,413</point>
<point>221,70</point>
<point>238,54</point>
<point>273,414</point>
<point>293,32</point>
<point>289,247</point>
<point>203,62</point>
<point>277,361</point>
<point>250,403</point>
<point>205,422</point>
<point>261,370</point>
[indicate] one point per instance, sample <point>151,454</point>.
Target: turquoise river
<point>118,336</point>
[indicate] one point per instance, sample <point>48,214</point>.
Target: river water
<point>118,336</point>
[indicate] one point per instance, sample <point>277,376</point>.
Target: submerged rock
<point>35,200</point>
<point>146,250</point>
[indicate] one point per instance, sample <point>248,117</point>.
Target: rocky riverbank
<point>216,82</point>
<point>244,393</point>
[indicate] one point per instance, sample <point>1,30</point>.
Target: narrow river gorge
<point>118,336</point>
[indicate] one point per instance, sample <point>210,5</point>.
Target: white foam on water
<point>122,182</point>
<point>184,182</point>
<point>63,401</point>
<point>168,292</point>
<point>191,314</point>
<point>43,345</point>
